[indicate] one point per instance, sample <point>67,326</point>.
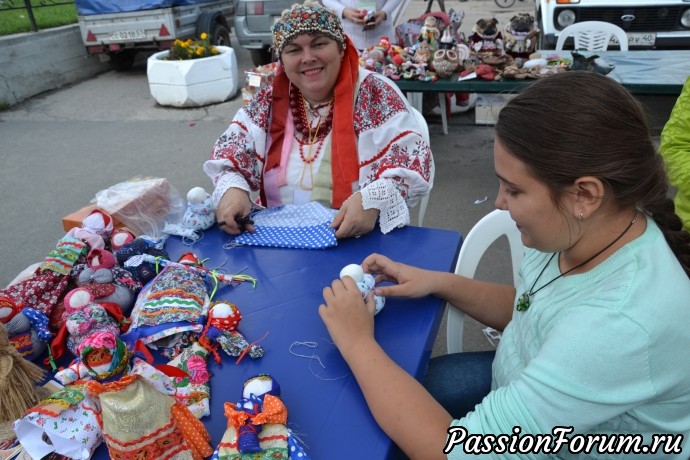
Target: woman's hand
<point>349,319</point>
<point>352,219</point>
<point>354,15</point>
<point>234,204</point>
<point>408,281</point>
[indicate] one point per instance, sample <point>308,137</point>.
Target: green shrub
<point>17,20</point>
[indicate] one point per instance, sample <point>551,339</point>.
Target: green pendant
<point>523,302</point>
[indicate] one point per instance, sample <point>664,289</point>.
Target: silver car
<point>253,22</point>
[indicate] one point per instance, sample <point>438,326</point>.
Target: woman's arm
<point>404,410</point>
<point>488,303</point>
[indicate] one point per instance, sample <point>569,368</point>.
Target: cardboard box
<point>488,107</point>
<point>136,204</point>
<point>76,218</point>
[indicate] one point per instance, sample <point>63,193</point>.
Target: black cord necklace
<point>525,299</point>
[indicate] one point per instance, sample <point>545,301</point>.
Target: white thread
<point>313,357</point>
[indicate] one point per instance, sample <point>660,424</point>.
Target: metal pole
<point>30,12</point>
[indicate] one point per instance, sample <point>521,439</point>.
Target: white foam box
<point>488,106</point>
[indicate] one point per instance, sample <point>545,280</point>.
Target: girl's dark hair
<point>579,123</point>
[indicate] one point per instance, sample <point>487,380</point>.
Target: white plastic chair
<point>425,134</point>
<point>592,36</point>
<point>484,233</point>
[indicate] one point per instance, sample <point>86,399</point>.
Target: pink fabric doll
<point>83,317</point>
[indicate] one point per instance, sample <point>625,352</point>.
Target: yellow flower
<point>192,49</point>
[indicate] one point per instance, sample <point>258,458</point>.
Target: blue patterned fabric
<point>292,226</point>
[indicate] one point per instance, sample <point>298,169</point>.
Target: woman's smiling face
<point>312,63</point>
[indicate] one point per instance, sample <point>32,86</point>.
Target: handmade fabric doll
<point>198,216</point>
<point>143,272</point>
<point>174,303</point>
<point>257,422</point>
<point>139,421</point>
<point>95,230</point>
<point>63,423</point>
<point>221,329</point>
<point>83,317</point>
<point>186,378</point>
<point>106,281</point>
<point>45,287</point>
<point>365,283</point>
<point>29,334</point>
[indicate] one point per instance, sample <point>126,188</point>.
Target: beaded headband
<point>309,18</point>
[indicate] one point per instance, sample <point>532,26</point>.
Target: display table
<point>326,408</point>
<point>646,72</point>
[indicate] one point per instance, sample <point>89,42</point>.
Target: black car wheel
<point>220,35</point>
<point>261,56</point>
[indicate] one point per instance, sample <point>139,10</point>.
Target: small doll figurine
<point>223,319</point>
<point>199,214</point>
<point>365,283</point>
<point>29,333</point>
<point>257,422</point>
<point>430,32</point>
<point>107,281</point>
<point>84,317</point>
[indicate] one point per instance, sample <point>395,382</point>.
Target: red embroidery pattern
<point>235,146</point>
<point>258,108</point>
<point>166,446</point>
<point>378,102</point>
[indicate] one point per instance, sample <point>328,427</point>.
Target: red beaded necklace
<point>309,136</point>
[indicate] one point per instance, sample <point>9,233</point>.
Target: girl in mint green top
<point>594,361</point>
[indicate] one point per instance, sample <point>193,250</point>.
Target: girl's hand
<point>408,281</point>
<point>352,220</point>
<point>347,316</point>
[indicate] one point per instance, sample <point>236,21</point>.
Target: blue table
<point>326,409</point>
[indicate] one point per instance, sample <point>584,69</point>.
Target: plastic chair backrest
<point>592,36</point>
<point>484,233</point>
<point>425,134</point>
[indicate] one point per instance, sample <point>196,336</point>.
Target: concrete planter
<point>194,82</point>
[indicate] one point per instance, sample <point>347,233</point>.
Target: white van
<point>649,24</point>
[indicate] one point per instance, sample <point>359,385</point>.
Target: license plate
<point>637,39</point>
<point>128,35</point>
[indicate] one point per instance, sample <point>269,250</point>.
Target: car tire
<point>220,36</point>
<point>261,56</point>
<point>122,61</point>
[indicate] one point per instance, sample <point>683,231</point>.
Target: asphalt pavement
<point>60,148</point>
